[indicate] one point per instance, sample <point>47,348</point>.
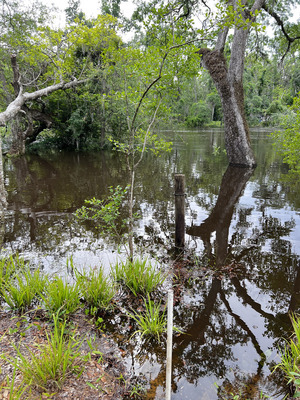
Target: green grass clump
<point>49,366</point>
<point>96,289</point>
<point>20,291</point>
<point>139,276</point>
<point>8,267</point>
<point>152,322</point>
<point>61,297</point>
<point>290,357</point>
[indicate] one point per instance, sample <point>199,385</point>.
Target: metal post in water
<point>169,345</point>
<point>179,210</point>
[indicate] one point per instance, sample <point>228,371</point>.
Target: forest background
<point>102,78</point>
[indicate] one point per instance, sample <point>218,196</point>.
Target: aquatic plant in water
<point>151,322</point>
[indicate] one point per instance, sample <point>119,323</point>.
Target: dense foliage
<point>95,113</point>
<point>288,138</point>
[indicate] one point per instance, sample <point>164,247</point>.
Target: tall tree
<point>111,7</point>
<point>224,55</point>
<point>46,61</point>
<point>228,77</point>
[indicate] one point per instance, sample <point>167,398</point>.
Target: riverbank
<point>53,337</point>
<point>100,372</point>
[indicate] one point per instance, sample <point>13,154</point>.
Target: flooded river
<point>242,235</point>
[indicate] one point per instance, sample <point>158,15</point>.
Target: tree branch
<point>16,74</point>
<point>158,77</point>
<point>15,106</point>
<point>280,23</point>
<point>221,40</point>
<point>146,135</point>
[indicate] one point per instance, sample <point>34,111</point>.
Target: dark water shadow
<point>205,348</point>
<point>233,183</point>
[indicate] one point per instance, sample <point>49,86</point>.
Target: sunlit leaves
<point>19,21</point>
<point>144,78</point>
<point>72,51</point>
<point>237,15</point>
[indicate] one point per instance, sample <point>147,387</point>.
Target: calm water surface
<point>242,225</point>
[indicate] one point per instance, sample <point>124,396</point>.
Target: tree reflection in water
<point>235,298</point>
<point>218,329</point>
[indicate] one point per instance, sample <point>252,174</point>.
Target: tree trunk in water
<point>237,139</point>
<point>219,220</point>
<point>229,82</point>
<point>17,147</point>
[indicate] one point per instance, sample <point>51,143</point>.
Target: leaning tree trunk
<point>229,83</point>
<point>237,139</point>
<point>20,135</point>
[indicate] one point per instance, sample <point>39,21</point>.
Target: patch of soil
<point>103,376</point>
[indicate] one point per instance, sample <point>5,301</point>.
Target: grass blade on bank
<point>20,291</point>
<point>96,289</point>
<point>16,392</point>
<point>8,267</point>
<point>290,357</point>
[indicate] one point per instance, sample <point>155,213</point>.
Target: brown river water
<point>243,236</point>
